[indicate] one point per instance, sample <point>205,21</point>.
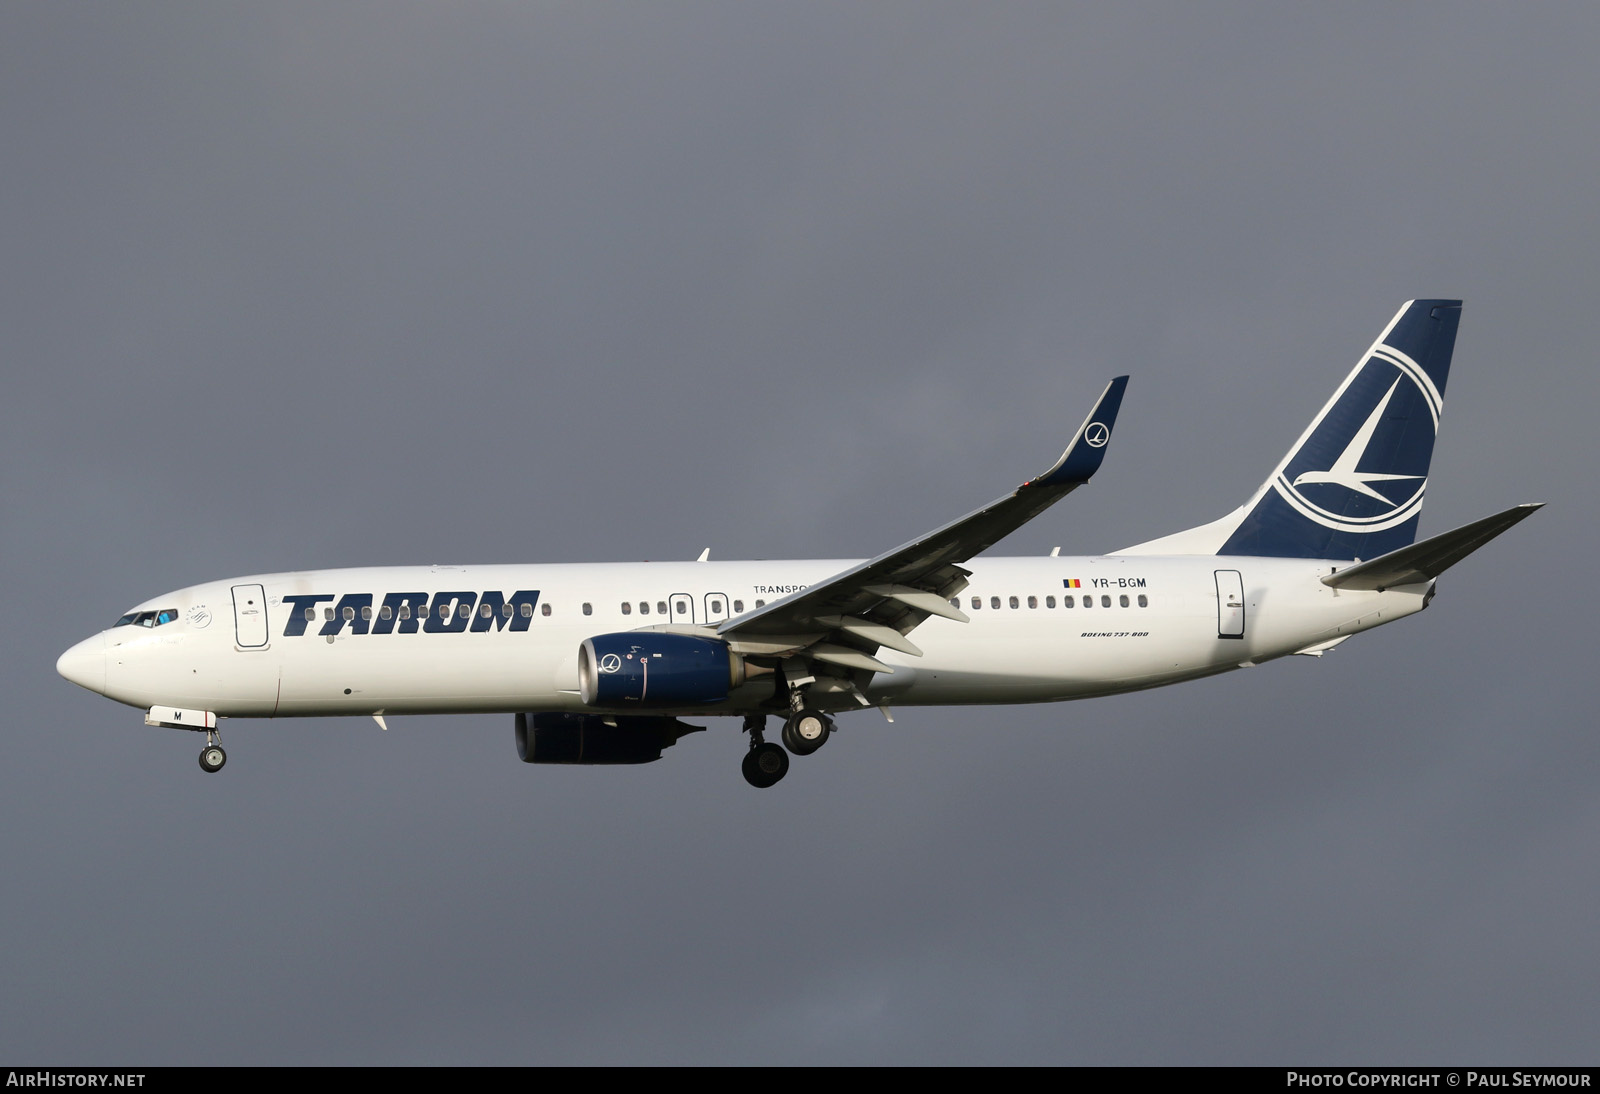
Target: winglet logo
<point>1095,435</point>
<point>1371,477</point>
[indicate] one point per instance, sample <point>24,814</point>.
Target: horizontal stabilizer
<point>1427,560</point>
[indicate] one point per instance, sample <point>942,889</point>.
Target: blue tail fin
<point>1352,486</point>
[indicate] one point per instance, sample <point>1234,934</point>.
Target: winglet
<point>1082,457</point>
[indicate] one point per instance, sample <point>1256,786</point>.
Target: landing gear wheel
<point>764,765</point>
<point>805,731</point>
<point>212,758</point>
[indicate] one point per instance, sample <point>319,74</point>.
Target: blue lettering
<point>450,612</point>
<point>406,613</point>
<point>349,611</point>
<point>415,606</point>
<point>301,607</point>
<point>502,612</point>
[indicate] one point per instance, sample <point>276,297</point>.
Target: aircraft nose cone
<point>85,664</point>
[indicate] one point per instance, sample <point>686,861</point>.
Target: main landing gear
<point>765,763</point>
<point>212,757</point>
<point>804,732</point>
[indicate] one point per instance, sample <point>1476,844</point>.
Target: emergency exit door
<point>682,607</point>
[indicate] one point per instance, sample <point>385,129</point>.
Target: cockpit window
<point>147,619</point>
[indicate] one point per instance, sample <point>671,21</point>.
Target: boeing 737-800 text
<point>599,662</point>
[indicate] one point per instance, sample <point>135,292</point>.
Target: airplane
<point>600,663</point>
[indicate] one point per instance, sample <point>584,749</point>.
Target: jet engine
<point>654,669</point>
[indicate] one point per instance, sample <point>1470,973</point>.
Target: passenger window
<point>1014,603</point>
<point>716,607</point>
<point>366,611</point>
<point>1033,602</point>
<point>527,611</point>
<point>588,609</point>
<point>1049,601</point>
<point>349,613</point>
<point>311,613</point>
<point>386,612</point>
<point>644,607</point>
<point>627,609</point>
<point>1144,601</point>
<point>1124,599</point>
<point>761,603</point>
<point>327,613</point>
<point>977,602</point>
<point>544,609</point>
<point>463,609</point>
<point>485,610</point>
<point>505,611</point>
<point>994,602</point>
<point>738,606</point>
<point>661,607</point>
<point>405,611</point>
<point>1105,601</point>
<point>1088,602</point>
<point>444,611</point>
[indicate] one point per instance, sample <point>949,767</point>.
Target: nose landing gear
<point>212,757</point>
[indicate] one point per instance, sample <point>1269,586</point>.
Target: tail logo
<point>1394,442</point>
<point>1095,435</point>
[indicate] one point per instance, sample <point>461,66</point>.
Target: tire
<point>764,765</point>
<point>805,731</point>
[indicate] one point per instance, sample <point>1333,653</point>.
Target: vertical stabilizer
<point>1352,485</point>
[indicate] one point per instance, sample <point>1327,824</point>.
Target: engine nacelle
<point>560,738</point>
<point>656,669</point>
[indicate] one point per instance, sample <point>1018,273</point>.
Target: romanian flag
<point>1070,583</point>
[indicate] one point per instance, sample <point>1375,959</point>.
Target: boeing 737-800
<point>600,662</point>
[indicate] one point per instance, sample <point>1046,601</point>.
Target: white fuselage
<point>1147,621</point>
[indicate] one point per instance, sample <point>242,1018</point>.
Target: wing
<point>831,630</point>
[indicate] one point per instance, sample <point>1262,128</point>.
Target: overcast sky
<point>290,285</point>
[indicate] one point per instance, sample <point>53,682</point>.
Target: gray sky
<point>300,285</point>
